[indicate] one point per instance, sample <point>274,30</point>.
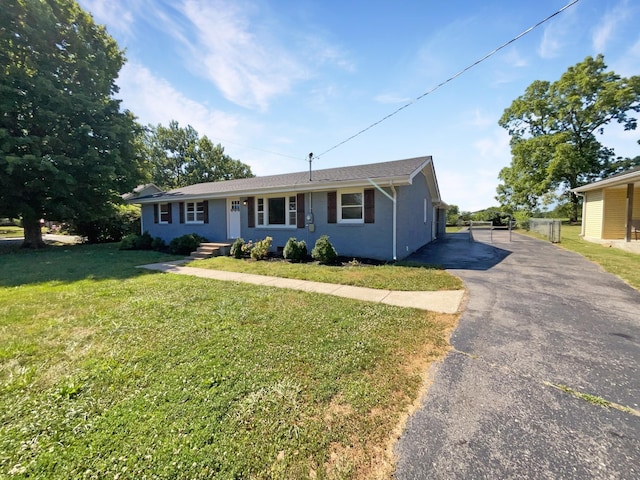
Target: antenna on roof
<point>310,158</point>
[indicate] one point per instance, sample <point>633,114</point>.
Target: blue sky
<point>272,80</point>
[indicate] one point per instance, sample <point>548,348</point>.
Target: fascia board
<point>609,182</point>
<point>300,188</point>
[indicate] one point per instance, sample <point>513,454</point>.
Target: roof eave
<point>398,180</point>
<point>609,182</point>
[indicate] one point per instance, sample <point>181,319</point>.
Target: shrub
<point>236,249</point>
<point>144,241</point>
<point>186,244</point>
<point>261,248</point>
<point>158,244</point>
<point>136,242</point>
<point>112,226</point>
<point>128,242</point>
<point>295,251</point>
<point>323,251</point>
<point>522,219</point>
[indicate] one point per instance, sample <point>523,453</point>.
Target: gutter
<point>395,216</point>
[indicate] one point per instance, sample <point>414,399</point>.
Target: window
<point>165,213</point>
<point>194,212</point>
<point>277,211</point>
<point>350,207</point>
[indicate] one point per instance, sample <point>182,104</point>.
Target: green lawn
<point>393,277</point>
<point>108,371</point>
<point>11,232</point>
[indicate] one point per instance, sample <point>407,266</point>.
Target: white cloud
<point>479,189</point>
<point>626,64</point>
<point>111,13</point>
<point>478,119</point>
<point>392,98</point>
<point>551,42</point>
<point>494,147</point>
<point>154,100</point>
<point>610,22</point>
<point>513,58</point>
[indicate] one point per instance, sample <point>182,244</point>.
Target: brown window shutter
<point>251,214</point>
<point>156,213</point>
<point>170,209</point>
<point>332,201</point>
<point>300,210</point>
<point>369,205</point>
<point>181,208</point>
<point>205,210</point>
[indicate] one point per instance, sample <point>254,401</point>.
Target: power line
<point>258,149</point>
<point>453,77</point>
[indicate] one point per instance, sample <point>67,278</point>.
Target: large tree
<point>554,130</point>
<point>66,149</point>
<point>179,157</point>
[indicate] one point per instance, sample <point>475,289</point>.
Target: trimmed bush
<point>158,244</point>
<point>323,251</point>
<point>128,242</point>
<point>136,242</point>
<point>236,249</point>
<point>295,251</point>
<point>261,248</point>
<point>186,244</point>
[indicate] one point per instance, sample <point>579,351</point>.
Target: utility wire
<point>258,149</point>
<point>453,77</point>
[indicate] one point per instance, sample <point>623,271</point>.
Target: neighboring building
<point>611,207</point>
<point>141,191</point>
<point>382,211</point>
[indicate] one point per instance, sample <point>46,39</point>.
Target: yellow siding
<point>636,202</point>
<point>593,214</point>
<point>615,213</point>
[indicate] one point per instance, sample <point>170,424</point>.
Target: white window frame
<point>290,211</point>
<point>194,214</point>
<point>165,213</point>
<point>339,206</point>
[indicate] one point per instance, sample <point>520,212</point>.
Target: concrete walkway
<point>447,301</point>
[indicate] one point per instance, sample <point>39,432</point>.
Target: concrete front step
<point>210,249</point>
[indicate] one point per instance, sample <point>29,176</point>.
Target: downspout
<point>394,199</point>
<point>395,216</point>
<point>141,219</point>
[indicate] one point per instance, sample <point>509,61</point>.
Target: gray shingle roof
<point>402,170</point>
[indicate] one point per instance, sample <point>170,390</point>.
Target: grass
<point>108,371</point>
<point>11,232</point>
<point>616,261</point>
<point>593,399</point>
<point>408,277</point>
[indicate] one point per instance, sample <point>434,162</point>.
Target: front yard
<point>107,371</point>
<point>402,276</point>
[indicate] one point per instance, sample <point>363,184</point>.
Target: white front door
<point>233,223</point>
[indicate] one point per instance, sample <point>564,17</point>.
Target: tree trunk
<point>32,233</point>
<point>575,207</point>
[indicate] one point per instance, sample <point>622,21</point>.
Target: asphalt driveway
<point>536,316</point>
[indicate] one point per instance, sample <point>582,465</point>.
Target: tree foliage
<point>66,149</point>
<point>554,128</point>
<point>179,157</point>
<point>453,213</point>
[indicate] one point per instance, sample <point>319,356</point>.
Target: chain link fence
<point>547,227</point>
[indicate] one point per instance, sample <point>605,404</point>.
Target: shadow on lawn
<point>71,263</point>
